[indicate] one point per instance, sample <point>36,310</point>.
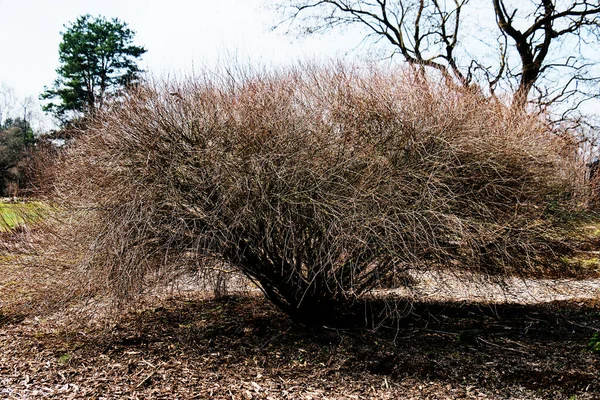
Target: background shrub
<point>320,185</point>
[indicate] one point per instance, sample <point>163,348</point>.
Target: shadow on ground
<point>500,349</point>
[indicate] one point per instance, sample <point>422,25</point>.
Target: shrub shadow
<point>537,347</point>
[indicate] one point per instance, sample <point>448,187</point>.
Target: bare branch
<point>427,33</point>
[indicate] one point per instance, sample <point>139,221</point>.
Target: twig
<point>274,337</point>
<point>150,375</point>
<point>439,331</point>
<point>502,347</point>
<point>582,326</point>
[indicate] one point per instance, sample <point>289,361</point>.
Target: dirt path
<point>468,287</point>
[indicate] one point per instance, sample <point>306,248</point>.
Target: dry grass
<point>320,185</point>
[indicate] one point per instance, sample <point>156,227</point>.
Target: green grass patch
<point>19,214</point>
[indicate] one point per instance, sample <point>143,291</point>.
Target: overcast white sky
<point>178,34</point>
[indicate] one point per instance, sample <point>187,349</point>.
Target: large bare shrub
<point>320,185</point>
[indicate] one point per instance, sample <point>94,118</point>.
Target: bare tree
<point>537,41</point>
<point>7,101</point>
<point>425,33</point>
<point>28,107</point>
<point>546,24</point>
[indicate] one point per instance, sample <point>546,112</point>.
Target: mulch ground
<point>195,347</point>
<point>187,345</point>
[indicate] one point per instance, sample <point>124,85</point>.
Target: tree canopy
<point>97,61</point>
<point>16,138</point>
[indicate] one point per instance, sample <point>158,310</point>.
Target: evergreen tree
<point>16,140</point>
<point>98,61</point>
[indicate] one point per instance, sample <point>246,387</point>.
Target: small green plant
<point>594,343</point>
<point>64,359</point>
